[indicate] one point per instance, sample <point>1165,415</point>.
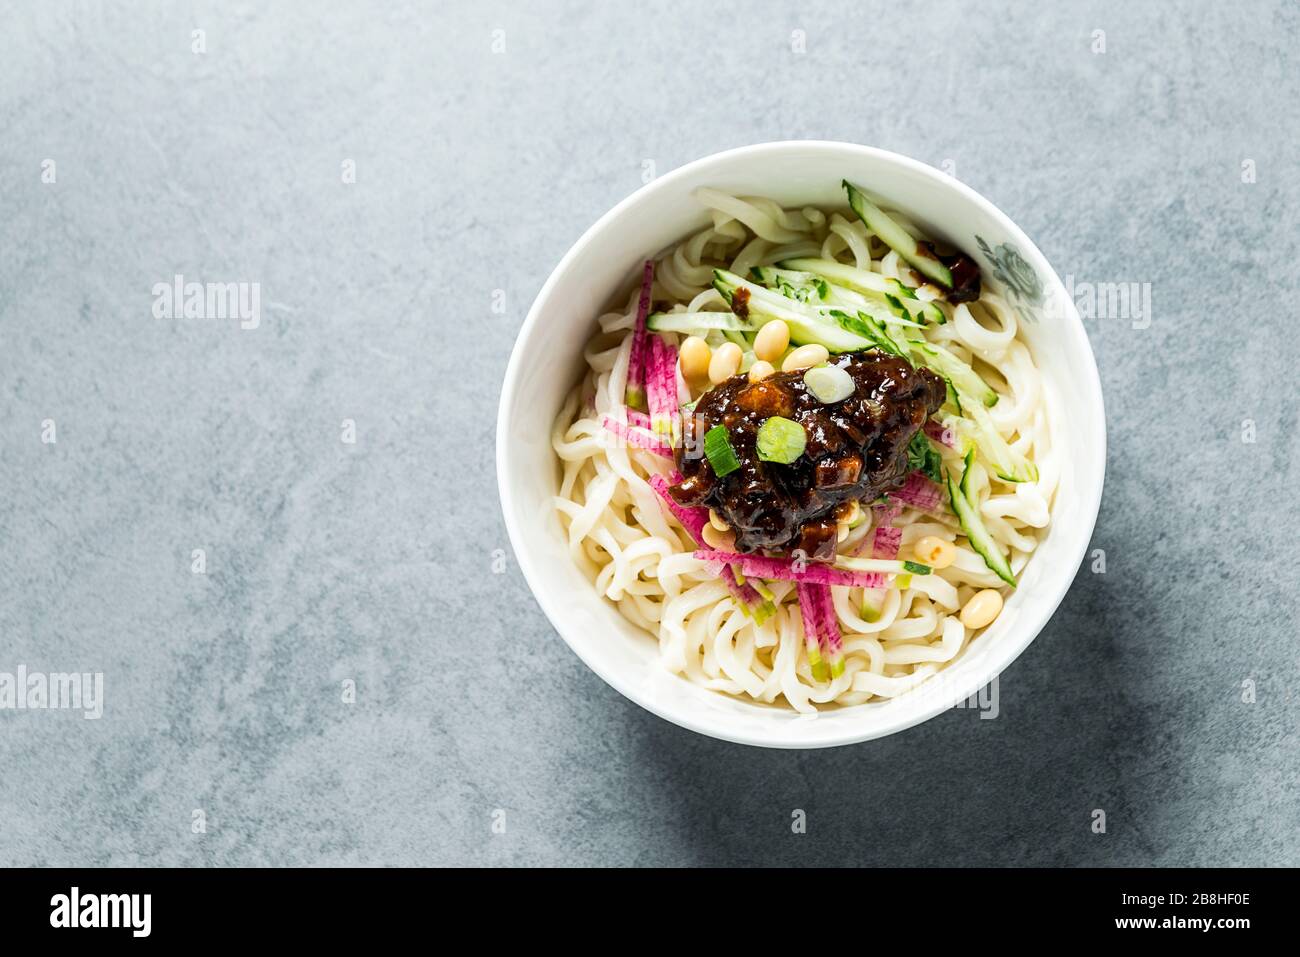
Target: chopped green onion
<point>718,450</point>
<point>916,568</point>
<point>829,384</point>
<point>781,440</point>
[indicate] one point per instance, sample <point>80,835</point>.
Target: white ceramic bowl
<point>547,361</point>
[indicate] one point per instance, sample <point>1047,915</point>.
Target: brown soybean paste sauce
<point>856,451</point>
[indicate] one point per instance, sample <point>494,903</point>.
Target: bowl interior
<point>604,263</point>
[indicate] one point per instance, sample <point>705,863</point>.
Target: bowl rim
<point>552,607</point>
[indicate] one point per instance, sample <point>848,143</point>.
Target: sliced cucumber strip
<point>955,371</point>
<point>851,301</point>
<point>897,238</point>
<point>968,515</point>
<point>867,328</point>
<point>1008,464</point>
<point>799,286</point>
<point>901,299</point>
<point>953,397</point>
<point>806,325</point>
<point>912,309</point>
<point>821,296</point>
<point>863,280</point>
<point>739,339</point>
<point>689,322</point>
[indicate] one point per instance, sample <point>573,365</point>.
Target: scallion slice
<point>718,450</point>
<point>781,440</point>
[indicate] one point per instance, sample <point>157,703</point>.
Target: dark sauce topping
<point>740,302</point>
<point>856,451</point>
<point>965,274</point>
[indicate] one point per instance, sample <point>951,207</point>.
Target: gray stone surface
<point>372,561</point>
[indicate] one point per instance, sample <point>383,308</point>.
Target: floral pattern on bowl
<point>1016,276</point>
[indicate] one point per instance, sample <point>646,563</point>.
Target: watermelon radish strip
<point>669,372</point>
<point>668,369</point>
<point>654,383</point>
<point>888,540</point>
<point>661,385</point>
<point>945,437</point>
<point>751,600</point>
<point>637,418</point>
<point>636,437</point>
<point>884,544</point>
<point>661,407</point>
<point>832,640</point>
<point>694,520</point>
<point>886,512</point>
<point>691,519</point>
<point>810,611</point>
<point>919,492</point>
<point>635,393</point>
<point>653,403</point>
<point>781,569</point>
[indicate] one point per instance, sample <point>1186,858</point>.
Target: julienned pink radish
<point>691,519</point>
<point>661,386</point>
<point>885,543</point>
<point>886,512</point>
<point>694,520</point>
<point>810,612</point>
<point>668,389</point>
<point>637,436</point>
<point>654,403</point>
<point>634,395</point>
<point>944,436</point>
<point>831,630</point>
<point>781,569</point>
<point>822,635</point>
<point>919,492</point>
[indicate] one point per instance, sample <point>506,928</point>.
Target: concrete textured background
<point>475,171</point>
